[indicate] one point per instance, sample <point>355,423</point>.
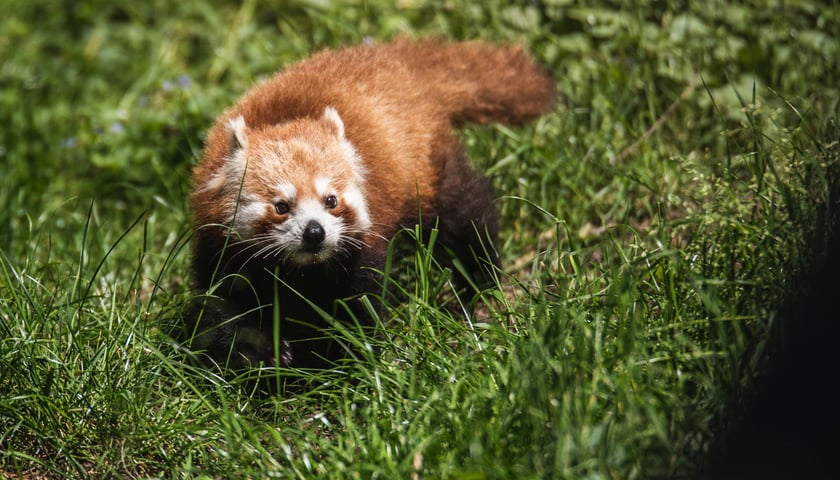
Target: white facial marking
<point>354,197</point>
<point>286,190</point>
<point>248,212</point>
<point>322,186</point>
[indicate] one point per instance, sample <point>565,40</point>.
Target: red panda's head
<point>292,192</point>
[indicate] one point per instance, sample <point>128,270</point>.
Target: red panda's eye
<point>282,207</point>
<point>331,201</point>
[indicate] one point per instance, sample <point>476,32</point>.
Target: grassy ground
<point>656,229</point>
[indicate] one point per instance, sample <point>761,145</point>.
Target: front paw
<point>252,347</point>
<point>232,339</point>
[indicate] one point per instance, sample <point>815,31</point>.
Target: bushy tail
<point>480,82</point>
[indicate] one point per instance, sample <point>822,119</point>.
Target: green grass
<point>653,228</point>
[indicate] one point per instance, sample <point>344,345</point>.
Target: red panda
<point>303,182</point>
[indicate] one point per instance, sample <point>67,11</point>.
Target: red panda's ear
<point>331,116</point>
<point>237,137</point>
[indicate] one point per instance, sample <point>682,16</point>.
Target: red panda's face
<point>295,191</point>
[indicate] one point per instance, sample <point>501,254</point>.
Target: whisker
<point>368,232</point>
<point>260,242</point>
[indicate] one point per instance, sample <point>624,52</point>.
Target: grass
<point>655,228</point>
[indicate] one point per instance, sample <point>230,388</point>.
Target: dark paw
<point>232,339</point>
<point>253,348</point>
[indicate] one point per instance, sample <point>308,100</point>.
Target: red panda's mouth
<point>311,256</point>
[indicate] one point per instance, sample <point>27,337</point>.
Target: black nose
<point>313,234</point>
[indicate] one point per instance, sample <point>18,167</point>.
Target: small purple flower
<point>116,128</point>
<point>69,142</point>
<point>184,81</point>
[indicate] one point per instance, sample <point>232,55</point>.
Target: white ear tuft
<point>237,137</point>
<point>331,115</point>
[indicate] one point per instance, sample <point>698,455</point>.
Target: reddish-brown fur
<point>399,103</point>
